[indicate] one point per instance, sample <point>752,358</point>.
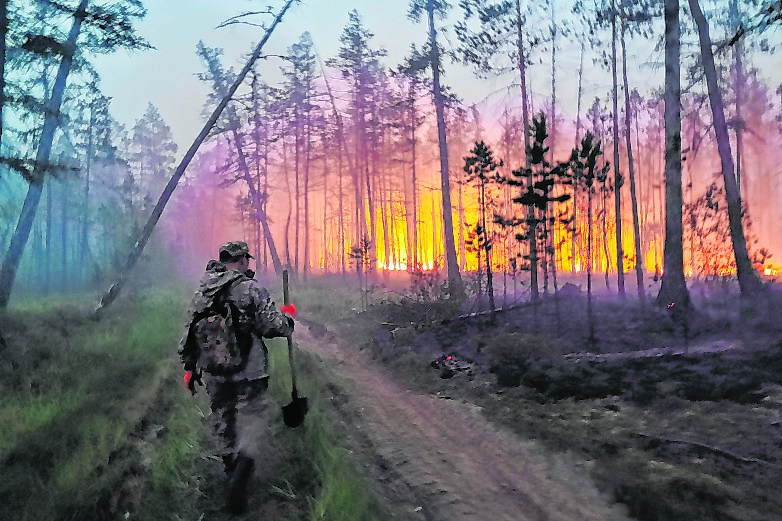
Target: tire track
<point>445,457</point>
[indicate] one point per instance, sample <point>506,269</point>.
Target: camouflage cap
<point>236,249</point>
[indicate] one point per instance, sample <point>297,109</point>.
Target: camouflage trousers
<point>239,416</point>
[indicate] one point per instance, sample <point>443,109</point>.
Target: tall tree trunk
<point>749,282</point>
<point>115,288</point>
<point>414,182</point>
<point>341,211</point>
<point>639,268</point>
<point>307,161</point>
<point>85,214</point>
<point>411,203</point>
<point>604,228</point>
<point>591,339</point>
<point>33,198</point>
<point>341,153</point>
<point>386,208</point>
<point>532,227</point>
<point>326,246</point>
<point>462,224</point>
<point>47,246</point>
<point>618,181</point>
<point>551,246</point>
<point>451,261</point>
<point>287,228</point>
<point>256,198</point>
<point>575,181</point>
<point>738,51</point>
<point>297,130</point>
<point>3,32</point>
<point>487,253</point>
<point>64,271</point>
<point>673,290</point>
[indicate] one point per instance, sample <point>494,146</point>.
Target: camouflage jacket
<point>258,315</point>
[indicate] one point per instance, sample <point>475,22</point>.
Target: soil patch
<point>435,458</point>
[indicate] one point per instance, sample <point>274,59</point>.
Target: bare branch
<point>241,18</point>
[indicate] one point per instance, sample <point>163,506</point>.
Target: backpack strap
<point>207,311</point>
<point>218,306</point>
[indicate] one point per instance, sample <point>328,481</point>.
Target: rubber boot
<point>239,477</point>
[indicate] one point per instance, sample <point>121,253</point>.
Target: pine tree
<point>102,28</point>
<point>481,167</point>
<point>439,8</point>
<point>673,290</point>
<point>749,282</point>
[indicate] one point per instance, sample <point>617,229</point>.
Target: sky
<point>165,76</point>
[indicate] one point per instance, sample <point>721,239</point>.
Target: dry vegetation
<point>687,430</point>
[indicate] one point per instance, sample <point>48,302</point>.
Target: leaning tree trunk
<point>639,267</point>
<point>673,290</point>
<point>749,282</point>
<point>257,200</point>
<point>50,125</point>
<point>452,263</point>
<point>114,290</point>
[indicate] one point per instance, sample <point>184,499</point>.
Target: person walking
<point>223,349</point>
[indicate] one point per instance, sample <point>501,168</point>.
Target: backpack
<point>214,333</point>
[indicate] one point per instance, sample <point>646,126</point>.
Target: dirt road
<point>437,459</point>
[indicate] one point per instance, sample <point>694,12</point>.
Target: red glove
<point>190,380</point>
<point>289,309</point>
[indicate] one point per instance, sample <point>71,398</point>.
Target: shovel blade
<point>293,413</point>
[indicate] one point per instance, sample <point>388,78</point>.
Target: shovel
<point>293,413</point>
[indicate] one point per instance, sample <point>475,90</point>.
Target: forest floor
<point>436,458</point>
<point>653,416</point>
<point>421,407</point>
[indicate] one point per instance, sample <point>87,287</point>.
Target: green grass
<point>95,424</point>
<point>81,390</point>
<point>333,487</point>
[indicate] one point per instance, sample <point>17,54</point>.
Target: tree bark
<point>639,268</point>
<point>618,181</point>
<point>673,290</point>
<point>575,181</point>
<point>3,32</point>
<point>550,221</point>
<point>411,197</point>
<point>532,228</point>
<point>452,263</point>
<point>749,282</point>
<point>33,198</point>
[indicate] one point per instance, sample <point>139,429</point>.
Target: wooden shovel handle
<point>286,301</point>
<point>286,298</point>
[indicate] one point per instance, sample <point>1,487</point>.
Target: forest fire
<point>450,194</point>
<point>328,184</point>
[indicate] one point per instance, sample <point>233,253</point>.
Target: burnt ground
<point>671,416</point>
<point>434,458</point>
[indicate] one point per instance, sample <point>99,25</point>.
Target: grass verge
<point>318,470</point>
<point>95,425</point>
